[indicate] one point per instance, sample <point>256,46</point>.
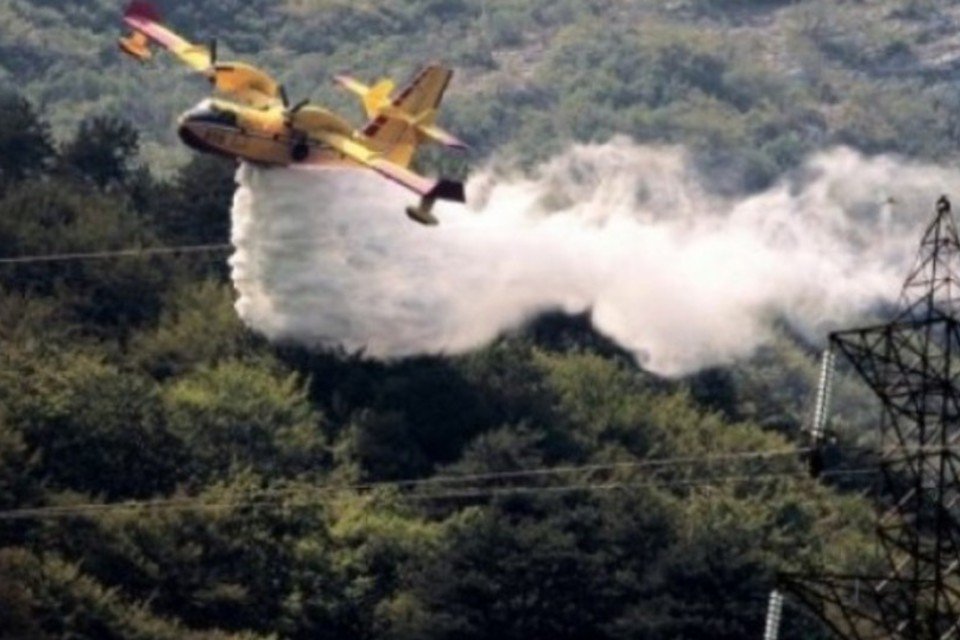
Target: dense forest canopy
<point>281,469</point>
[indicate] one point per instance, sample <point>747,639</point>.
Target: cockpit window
<point>208,111</point>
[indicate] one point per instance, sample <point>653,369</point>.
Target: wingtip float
<point>249,116</point>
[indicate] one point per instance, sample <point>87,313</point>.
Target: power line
<point>638,464</point>
<point>605,466</point>
<point>414,483</point>
<point>438,488</point>
<point>610,486</point>
<point>261,498</point>
<point>141,252</point>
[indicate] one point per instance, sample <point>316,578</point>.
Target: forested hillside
<point>283,493</point>
<point>276,470</point>
<point>753,86</point>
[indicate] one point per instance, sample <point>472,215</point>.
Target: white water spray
<point>681,278</point>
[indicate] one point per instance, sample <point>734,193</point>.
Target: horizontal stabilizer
<point>351,84</point>
<point>374,98</point>
<point>438,135</point>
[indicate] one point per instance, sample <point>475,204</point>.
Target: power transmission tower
<point>912,364</point>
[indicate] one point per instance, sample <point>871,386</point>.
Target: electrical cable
<point>142,252</point>
<point>259,498</point>
<point>638,464</point>
<point>475,477</point>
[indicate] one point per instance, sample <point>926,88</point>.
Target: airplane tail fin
<point>425,91</point>
<point>400,124</point>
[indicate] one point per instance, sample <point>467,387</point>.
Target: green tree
<point>234,416</point>
<point>235,555</point>
<point>92,427</point>
<point>55,217</point>
<point>203,191</point>
<point>45,597</point>
<point>18,485</point>
<point>198,327</point>
<point>26,147</point>
<point>557,567</point>
<point>373,540</point>
<point>103,151</point>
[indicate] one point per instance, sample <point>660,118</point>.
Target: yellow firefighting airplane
<point>250,118</point>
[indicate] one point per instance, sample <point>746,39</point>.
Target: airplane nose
<point>208,128</point>
<point>188,135</point>
<point>206,114</point>
<point>192,135</point>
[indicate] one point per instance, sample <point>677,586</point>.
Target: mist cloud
<point>680,277</point>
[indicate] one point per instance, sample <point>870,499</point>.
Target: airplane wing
<point>144,19</point>
<point>246,84</point>
<point>374,98</point>
<point>423,186</point>
<point>238,81</point>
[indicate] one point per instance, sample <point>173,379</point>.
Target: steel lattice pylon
<point>913,365</point>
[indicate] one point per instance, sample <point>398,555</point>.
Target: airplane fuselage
<point>249,117</point>
<point>255,135</point>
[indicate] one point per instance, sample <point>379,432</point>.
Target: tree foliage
<point>26,147</point>
<point>134,378</point>
<point>102,151</point>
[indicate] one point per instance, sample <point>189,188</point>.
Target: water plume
<point>679,276</point>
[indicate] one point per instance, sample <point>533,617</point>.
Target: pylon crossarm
<point>908,364</point>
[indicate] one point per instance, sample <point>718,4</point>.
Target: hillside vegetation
<point>752,86</point>
<point>283,516</point>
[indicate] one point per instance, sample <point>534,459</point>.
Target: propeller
<point>300,149</point>
<point>285,101</point>
<point>289,113</point>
